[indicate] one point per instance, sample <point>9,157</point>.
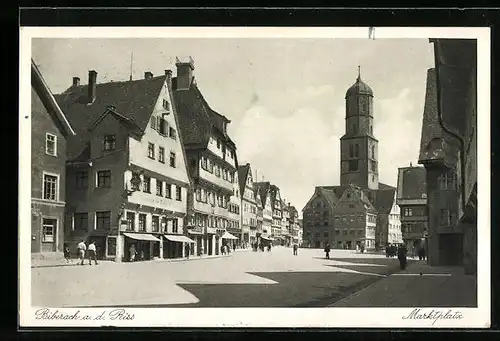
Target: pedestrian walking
<point>67,253</point>
<point>362,248</point>
<point>402,257</point>
<point>92,253</point>
<point>132,253</point>
<point>295,248</point>
<point>81,247</point>
<point>327,250</point>
<point>234,247</point>
<point>187,250</point>
<point>223,250</point>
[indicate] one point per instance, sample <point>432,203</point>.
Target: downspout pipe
<point>446,129</point>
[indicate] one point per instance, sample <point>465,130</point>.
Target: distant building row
<point>144,162</point>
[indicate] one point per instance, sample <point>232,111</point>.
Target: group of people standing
<point>83,251</point>
<point>261,247</point>
<point>225,249</point>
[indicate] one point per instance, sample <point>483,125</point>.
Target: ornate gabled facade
<point>412,200</point>
<point>361,210</point>
<point>212,161</point>
<point>248,204</point>
<point>127,177</point>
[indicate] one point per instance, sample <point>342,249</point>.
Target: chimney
<point>168,73</point>
<point>148,75</point>
<point>76,81</point>
<point>184,73</point>
<point>92,85</point>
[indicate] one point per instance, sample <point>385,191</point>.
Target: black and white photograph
<point>266,170</point>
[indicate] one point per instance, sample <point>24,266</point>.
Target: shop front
<point>141,246</point>
<point>197,237</point>
<point>229,240</point>
<point>173,245</point>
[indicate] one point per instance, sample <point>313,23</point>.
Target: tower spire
<point>359,72</point>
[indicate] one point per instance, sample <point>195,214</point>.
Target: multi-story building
<point>277,212</point>
<point>361,209</point>
<point>212,161</point>
<point>285,223</point>
<point>301,233</point>
<point>49,131</point>
<point>448,152</point>
<point>294,225</point>
<point>127,179</point>
<point>264,193</point>
<point>248,204</point>
<point>412,200</point>
<point>234,208</point>
<point>260,214</point>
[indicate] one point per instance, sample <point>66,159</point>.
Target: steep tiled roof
<point>242,176</point>
<point>383,199</point>
<point>385,186</point>
<point>197,120</point>
<point>263,188</point>
<point>134,100</point>
<point>337,190</point>
<point>411,183</point>
<point>330,196</point>
<point>48,101</point>
<point>431,143</point>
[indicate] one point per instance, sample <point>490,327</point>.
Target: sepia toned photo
<point>256,173</point>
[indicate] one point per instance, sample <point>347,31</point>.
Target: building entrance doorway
<point>49,232</point>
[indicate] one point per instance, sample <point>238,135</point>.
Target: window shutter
<point>153,122</point>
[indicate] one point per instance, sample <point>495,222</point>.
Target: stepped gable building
<point>412,200</point>
<point>49,132</point>
<point>211,157</point>
<point>448,151</point>
<point>264,191</point>
<point>248,204</point>
<point>361,209</point>
<point>234,208</point>
<point>127,178</point>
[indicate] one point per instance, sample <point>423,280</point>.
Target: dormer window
<point>166,105</point>
<point>162,126</point>
<point>109,143</point>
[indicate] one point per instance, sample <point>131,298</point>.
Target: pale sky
<point>285,97</point>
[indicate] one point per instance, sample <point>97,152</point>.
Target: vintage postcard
<point>275,177</point>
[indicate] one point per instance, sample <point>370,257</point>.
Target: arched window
<point>371,129</point>
<point>356,151</point>
<point>373,152</point>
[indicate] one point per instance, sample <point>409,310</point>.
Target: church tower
<point>358,146</point>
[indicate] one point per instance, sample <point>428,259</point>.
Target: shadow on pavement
<point>294,289</point>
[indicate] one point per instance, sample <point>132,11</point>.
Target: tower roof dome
<point>359,88</point>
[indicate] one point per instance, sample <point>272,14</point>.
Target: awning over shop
<point>180,239</point>
<point>266,238</point>
<point>228,235</point>
<point>142,236</point>
<point>195,232</point>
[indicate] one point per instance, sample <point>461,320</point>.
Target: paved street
<point>244,279</point>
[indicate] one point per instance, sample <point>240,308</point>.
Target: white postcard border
<point>259,317</point>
